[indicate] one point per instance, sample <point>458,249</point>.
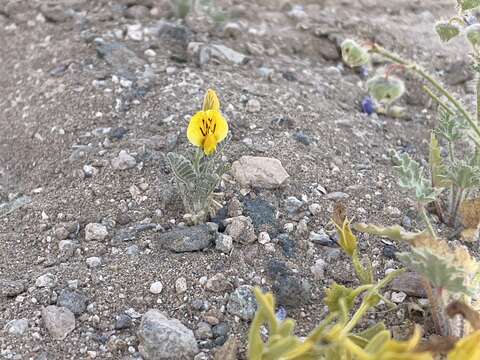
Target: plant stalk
<point>426,220</point>
<point>422,73</point>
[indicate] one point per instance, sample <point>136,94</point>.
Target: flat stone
<point>11,288</point>
<point>59,321</point>
<point>262,172</point>
<point>164,339</point>
<point>224,243</point>
<point>46,281</point>
<point>226,54</point>
<point>17,327</point>
<point>410,283</point>
<point>241,229</point>
<point>242,303</point>
<point>123,161</point>
<point>75,301</point>
<point>187,239</point>
<point>94,231</point>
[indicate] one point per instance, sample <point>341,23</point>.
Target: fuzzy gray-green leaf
<point>410,176</point>
<point>439,270</point>
<point>182,168</point>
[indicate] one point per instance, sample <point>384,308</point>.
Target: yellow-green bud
<point>353,54</point>
<point>446,31</point>
<point>385,89</point>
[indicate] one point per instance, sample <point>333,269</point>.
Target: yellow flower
<point>467,348</point>
<point>208,127</point>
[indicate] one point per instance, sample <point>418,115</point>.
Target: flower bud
<point>466,5</point>
<point>353,54</point>
<point>473,35</point>
<point>446,31</point>
<point>385,89</point>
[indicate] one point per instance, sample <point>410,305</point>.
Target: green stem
<point>422,73</point>
<point>356,318</point>
<point>458,201</point>
<point>356,350</point>
<point>426,220</point>
<point>478,98</point>
<point>437,99</point>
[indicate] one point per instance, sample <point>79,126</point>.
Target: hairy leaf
<point>464,175</point>
<point>446,31</point>
<point>439,270</point>
<point>411,177</point>
<point>395,232</point>
<point>182,168</point>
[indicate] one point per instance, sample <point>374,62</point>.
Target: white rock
<point>315,209</point>
<point>135,32</point>
<point>123,161</point>
<point>94,262</point>
<point>270,247</point>
<point>156,287</point>
<point>181,285</point>
<point>253,106</point>
<point>95,231</point>
<point>17,327</point>
<point>224,243</point>
<point>261,172</point>
<point>150,53</point>
<point>263,238</point>
<point>318,270</point>
<point>398,297</point>
<point>59,321</point>
<point>46,281</point>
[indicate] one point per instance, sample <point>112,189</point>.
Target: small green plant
<point>349,244</point>
<point>334,338</point>
<point>454,177</point>
<point>198,177</point>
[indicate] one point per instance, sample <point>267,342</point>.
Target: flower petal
<point>221,128</point>
<point>210,144</point>
<point>194,132</point>
<point>211,102</point>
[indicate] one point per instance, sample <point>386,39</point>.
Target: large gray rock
<point>262,172</point>
<point>192,238</point>
<point>163,338</point>
<point>11,288</point>
<point>59,321</point>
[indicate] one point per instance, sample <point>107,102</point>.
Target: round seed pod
<point>472,33</point>
<point>446,31</point>
<point>385,89</point>
<point>353,54</point>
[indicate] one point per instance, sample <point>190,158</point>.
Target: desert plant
<point>334,337</point>
<point>458,174</point>
<point>349,244</point>
<point>198,177</point>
